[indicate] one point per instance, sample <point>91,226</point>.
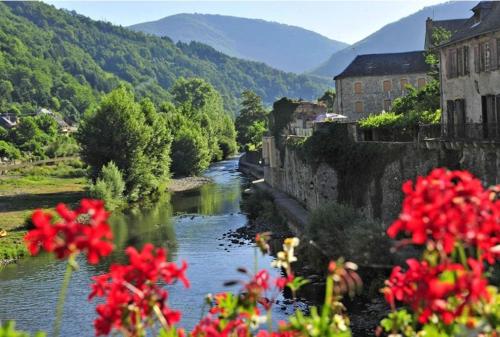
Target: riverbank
<point>22,191</point>
<point>26,189</point>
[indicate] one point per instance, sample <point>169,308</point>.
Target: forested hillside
<point>65,61</point>
<point>281,46</point>
<point>407,34</point>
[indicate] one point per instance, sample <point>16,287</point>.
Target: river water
<point>190,224</point>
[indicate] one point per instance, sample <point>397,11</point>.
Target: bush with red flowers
<point>444,293</point>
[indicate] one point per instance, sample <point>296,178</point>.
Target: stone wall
<point>378,195</point>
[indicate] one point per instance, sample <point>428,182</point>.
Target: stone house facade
<point>470,76</point>
<point>305,114</point>
<point>370,83</point>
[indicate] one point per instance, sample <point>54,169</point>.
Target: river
<point>190,224</point>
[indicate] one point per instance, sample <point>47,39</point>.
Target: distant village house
<point>370,83</point>
<point>304,117</point>
<point>64,127</point>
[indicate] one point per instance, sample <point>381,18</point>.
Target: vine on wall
<point>356,164</point>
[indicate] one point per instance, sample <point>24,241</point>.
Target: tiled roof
<point>489,21</point>
<point>450,25</point>
<point>386,64</point>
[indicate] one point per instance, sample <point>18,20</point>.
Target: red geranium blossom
<point>133,295</point>
<point>446,289</point>
<point>82,230</point>
<point>450,206</point>
<point>211,326</point>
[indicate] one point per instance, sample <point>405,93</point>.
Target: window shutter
<point>498,114</point>
<point>466,61</point>
<point>498,53</point>
<point>476,59</point>
<point>460,62</point>
<point>493,57</point>
<point>448,64</point>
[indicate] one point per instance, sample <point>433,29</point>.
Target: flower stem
<point>462,256</point>
<point>62,296</point>
<point>325,312</point>
<point>255,260</point>
<point>269,320</point>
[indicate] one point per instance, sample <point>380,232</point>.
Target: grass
<point>25,190</point>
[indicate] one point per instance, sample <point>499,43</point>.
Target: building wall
<point>472,86</point>
<point>372,93</point>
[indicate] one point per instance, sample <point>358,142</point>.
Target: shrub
<point>110,186</point>
<point>260,206</point>
<point>397,120</point>
<point>341,231</point>
<point>382,120</point>
<point>7,150</point>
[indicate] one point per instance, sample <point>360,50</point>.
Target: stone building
<point>470,76</point>
<point>304,116</point>
<point>370,83</point>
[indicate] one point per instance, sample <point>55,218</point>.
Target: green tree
<point>109,186</point>
<point>47,124</point>
<point>9,151</point>
<point>120,131</point>
<point>419,100</point>
<point>202,105</point>
<point>190,152</point>
<point>28,130</point>
<point>328,99</point>
<point>439,36</point>
<point>252,121</point>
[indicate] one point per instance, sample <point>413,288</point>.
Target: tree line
<point>133,146</point>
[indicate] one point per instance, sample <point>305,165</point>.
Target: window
<point>460,62</point>
<point>387,105</point>
<point>466,60</point>
<point>460,118</point>
<point>387,86</point>
<point>404,83</point>
<point>359,107</point>
<point>489,116</point>
<point>455,118</point>
<point>358,88</point>
<point>452,63</point>
<point>484,56</point>
<point>421,82</point>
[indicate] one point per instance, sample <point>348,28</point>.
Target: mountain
<point>64,61</point>
<point>407,34</point>
<point>284,47</point>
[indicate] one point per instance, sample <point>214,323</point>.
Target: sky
<point>347,21</point>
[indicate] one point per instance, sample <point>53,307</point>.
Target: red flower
<point>211,326</point>
<point>281,282</point>
<point>450,206</point>
<point>446,289</point>
<point>82,230</point>
<point>133,294</point>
